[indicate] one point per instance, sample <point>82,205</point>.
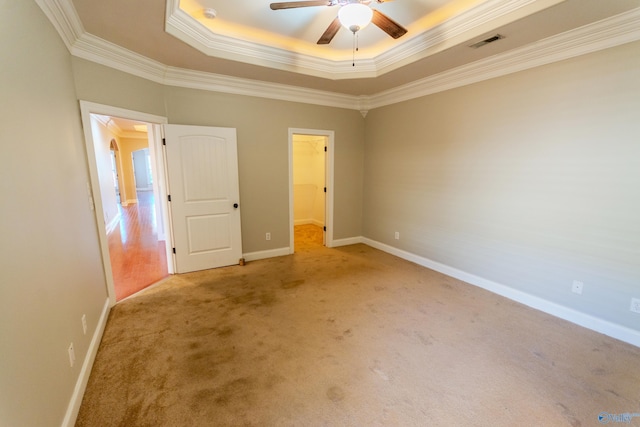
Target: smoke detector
<point>209,13</point>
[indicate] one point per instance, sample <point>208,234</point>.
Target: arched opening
<point>115,167</point>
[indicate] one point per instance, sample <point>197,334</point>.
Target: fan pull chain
<point>353,60</point>
<point>355,48</point>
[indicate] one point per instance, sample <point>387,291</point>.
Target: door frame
<point>156,153</point>
<point>328,179</point>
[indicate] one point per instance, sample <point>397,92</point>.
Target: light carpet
<point>348,336</point>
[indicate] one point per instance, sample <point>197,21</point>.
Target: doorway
<point>134,248</point>
<point>137,254</point>
<point>311,189</point>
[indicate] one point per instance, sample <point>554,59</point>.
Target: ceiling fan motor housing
<point>355,16</point>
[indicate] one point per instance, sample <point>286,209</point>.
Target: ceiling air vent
<point>487,41</point>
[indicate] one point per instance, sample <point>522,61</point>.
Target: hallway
<point>138,258</point>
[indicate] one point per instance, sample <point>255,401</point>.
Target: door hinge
<point>174,250</point>
<point>164,141</point>
<point>169,197</point>
<point>324,228</point>
<point>325,148</point>
<point>325,189</point>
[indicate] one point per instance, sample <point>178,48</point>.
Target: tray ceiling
<point>248,40</point>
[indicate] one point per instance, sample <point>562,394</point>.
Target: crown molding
<point>469,24</point>
<point>100,51</point>
<point>182,26</point>
<point>218,83</point>
<point>103,52</point>
<point>113,127</point>
<point>473,21</point>
<point>64,18</point>
<point>134,135</point>
<point>610,32</point>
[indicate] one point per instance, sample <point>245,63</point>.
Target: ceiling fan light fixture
<point>355,16</point>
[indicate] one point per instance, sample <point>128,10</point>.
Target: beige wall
<point>102,138</point>
<point>128,146</point>
<point>50,267</point>
<point>262,128</point>
<point>530,180</point>
<point>103,85</point>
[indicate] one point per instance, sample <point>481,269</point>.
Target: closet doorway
<point>311,189</point>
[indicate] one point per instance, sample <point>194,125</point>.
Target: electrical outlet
<point>397,235</point>
<point>84,324</point>
<point>577,286</point>
<point>268,236</point>
<point>635,305</point>
<point>72,355</point>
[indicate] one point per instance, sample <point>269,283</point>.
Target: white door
<point>202,165</point>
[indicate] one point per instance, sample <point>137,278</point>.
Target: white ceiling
<point>248,40</point>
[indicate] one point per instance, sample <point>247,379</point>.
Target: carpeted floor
<point>348,337</point>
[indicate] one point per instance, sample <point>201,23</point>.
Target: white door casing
<point>202,165</point>
<point>329,162</point>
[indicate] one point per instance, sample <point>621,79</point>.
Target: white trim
<point>610,32</point>
<point>607,33</point>
<point>271,253</point>
<point>100,51</point>
<point>113,223</point>
<point>348,241</point>
<point>218,83</point>
<point>308,221</point>
<point>311,60</point>
<point>64,18</point>
<point>86,110</point>
<point>81,384</point>
<point>328,179</point>
<point>468,25</point>
<point>602,326</point>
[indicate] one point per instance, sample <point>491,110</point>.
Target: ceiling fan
<point>349,17</point>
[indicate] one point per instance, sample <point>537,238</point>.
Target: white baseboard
<point>271,253</point>
<point>346,242</point>
<point>308,221</point>
<point>113,223</point>
<point>605,327</point>
<point>83,378</point>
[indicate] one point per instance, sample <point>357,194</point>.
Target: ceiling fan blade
<point>293,4</point>
<point>330,32</point>
<point>388,25</point>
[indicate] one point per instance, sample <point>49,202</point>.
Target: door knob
<point>235,206</point>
